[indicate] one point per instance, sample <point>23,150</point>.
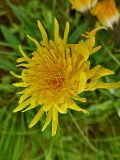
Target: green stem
<point>110,53</point>
<point>82,133</point>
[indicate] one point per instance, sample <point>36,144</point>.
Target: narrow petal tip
<point>43,32</point>
<point>30,125</point>
<point>15,110</point>
<point>14,74</point>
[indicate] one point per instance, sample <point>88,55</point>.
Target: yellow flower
<point>83,5</point>
<point>106,12</point>
<point>56,74</point>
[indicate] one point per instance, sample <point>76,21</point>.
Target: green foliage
<point>79,137</point>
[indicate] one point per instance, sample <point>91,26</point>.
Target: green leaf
<point>77,32</point>
<point>9,37</point>
<point>22,17</point>
<point>101,107</point>
<point>7,65</point>
<point>117,106</point>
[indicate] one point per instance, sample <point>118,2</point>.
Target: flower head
<point>106,12</point>
<point>56,74</point>
<point>83,5</point>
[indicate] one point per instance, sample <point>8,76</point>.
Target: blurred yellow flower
<point>106,12</point>
<point>56,74</point>
<point>83,5</point>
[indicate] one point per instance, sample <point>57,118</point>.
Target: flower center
<point>56,82</point>
<point>55,78</point>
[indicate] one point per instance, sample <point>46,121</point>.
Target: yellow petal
<point>48,119</point>
<point>108,85</point>
<point>79,99</point>
<point>96,85</point>
<point>23,65</point>
<point>23,105</point>
<point>91,86</point>
<point>68,62</point>
<point>20,84</point>
<point>34,100</point>
<point>68,56</point>
<point>87,66</point>
<point>23,91</point>
<point>76,108</point>
<point>61,110</point>
<point>95,49</point>
<point>24,96</point>
<point>23,53</point>
<point>103,72</point>
<point>47,107</point>
<point>23,59</point>
<point>84,50</point>
<point>82,82</point>
<point>52,52</point>
<point>34,41</point>
<point>28,108</point>
<point>92,71</point>
<point>43,32</point>
<point>53,45</point>
<point>64,107</point>
<point>54,121</point>
<point>37,117</point>
<point>15,75</point>
<point>91,42</point>
<point>92,32</point>
<point>66,32</point>
<point>80,63</point>
<point>56,29</point>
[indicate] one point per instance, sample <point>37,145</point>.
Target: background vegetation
<point>79,137</point>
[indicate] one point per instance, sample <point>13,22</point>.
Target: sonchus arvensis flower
<point>106,12</point>
<point>56,74</point>
<point>83,5</point>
